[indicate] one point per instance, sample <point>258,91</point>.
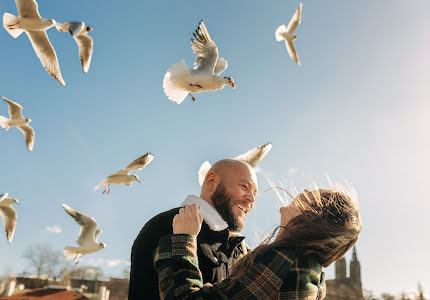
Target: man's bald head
<point>230,187</point>
<point>225,166</point>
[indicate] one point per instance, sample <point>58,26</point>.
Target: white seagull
<point>8,215</point>
<point>287,34</point>
<point>88,235</point>
<point>18,121</point>
<point>85,43</point>
<point>122,177</point>
<point>252,157</point>
<point>35,27</point>
<point>180,81</point>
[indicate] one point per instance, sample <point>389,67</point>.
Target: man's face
<point>234,197</point>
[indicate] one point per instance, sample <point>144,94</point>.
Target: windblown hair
<point>327,227</point>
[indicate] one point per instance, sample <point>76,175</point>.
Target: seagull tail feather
<point>4,122</point>
<point>71,251</point>
<point>8,21</point>
<point>175,81</point>
<point>100,184</point>
<point>279,32</point>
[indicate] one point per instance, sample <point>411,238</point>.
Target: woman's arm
<point>175,259</point>
<point>179,276</point>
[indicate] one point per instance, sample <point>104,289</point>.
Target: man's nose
<point>250,197</point>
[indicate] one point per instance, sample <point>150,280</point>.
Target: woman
<point>317,228</point>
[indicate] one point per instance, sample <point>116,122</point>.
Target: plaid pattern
<point>276,273</point>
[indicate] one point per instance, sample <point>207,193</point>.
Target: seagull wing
<point>292,51</point>
<point>254,156</point>
<point>206,50</point>
<point>204,169</point>
<point>3,196</point>
<point>220,66</point>
<point>27,8</point>
<point>88,226</point>
<point>85,43</point>
<point>139,163</point>
<point>28,134</point>
<point>9,220</point>
<point>295,20</point>
<point>15,110</point>
<point>46,53</point>
<point>96,234</point>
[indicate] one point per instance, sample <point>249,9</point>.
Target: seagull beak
<point>233,85</point>
<point>139,181</point>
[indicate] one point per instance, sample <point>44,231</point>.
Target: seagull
<point>85,43</point>
<point>287,34</point>
<point>18,121</point>
<point>8,215</point>
<point>88,235</point>
<point>252,157</point>
<point>35,27</point>
<point>180,81</point>
<point>122,177</point>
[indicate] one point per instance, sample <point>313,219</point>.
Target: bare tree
<point>126,272</point>
<point>368,295</point>
<point>86,273</point>
<point>404,297</point>
<point>420,292</point>
<point>386,296</point>
<point>45,260</point>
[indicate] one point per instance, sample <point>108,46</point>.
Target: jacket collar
<point>209,213</point>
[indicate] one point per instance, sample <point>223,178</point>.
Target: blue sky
<point>356,110</point>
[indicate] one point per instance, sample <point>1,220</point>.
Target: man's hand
<point>188,221</point>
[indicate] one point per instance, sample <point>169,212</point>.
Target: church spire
<point>354,254</point>
<point>355,270</point>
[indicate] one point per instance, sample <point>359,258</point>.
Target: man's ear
<point>212,180</point>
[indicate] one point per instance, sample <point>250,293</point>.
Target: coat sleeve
<point>143,277</point>
<point>179,276</point>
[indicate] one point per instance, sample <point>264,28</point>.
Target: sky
<point>355,112</point>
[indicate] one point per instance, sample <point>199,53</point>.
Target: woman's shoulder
<point>304,278</point>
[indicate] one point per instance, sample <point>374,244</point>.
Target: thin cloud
<point>292,171</point>
<point>106,262</point>
<point>54,229</point>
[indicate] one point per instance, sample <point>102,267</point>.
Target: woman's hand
<point>188,221</point>
<point>287,213</point>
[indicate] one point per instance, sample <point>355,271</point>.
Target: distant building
<point>35,288</point>
<point>47,294</point>
<point>343,287</point>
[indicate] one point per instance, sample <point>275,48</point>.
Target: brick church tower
<point>340,269</point>
<point>345,287</point>
<point>355,271</point>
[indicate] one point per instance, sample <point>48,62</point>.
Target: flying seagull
<point>85,43</point>
<point>18,121</point>
<point>88,235</point>
<point>287,34</point>
<point>252,157</point>
<point>8,215</point>
<point>180,81</point>
<point>123,176</point>
<point>35,27</point>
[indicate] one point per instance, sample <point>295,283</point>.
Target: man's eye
<point>244,187</point>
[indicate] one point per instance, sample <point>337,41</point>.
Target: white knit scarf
<point>209,214</point>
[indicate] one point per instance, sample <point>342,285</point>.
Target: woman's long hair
<point>327,227</point>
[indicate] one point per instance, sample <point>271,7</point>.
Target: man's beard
<point>222,202</point>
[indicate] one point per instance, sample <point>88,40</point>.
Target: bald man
<point>227,195</point>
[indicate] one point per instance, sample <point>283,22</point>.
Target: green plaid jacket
<point>276,273</point>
